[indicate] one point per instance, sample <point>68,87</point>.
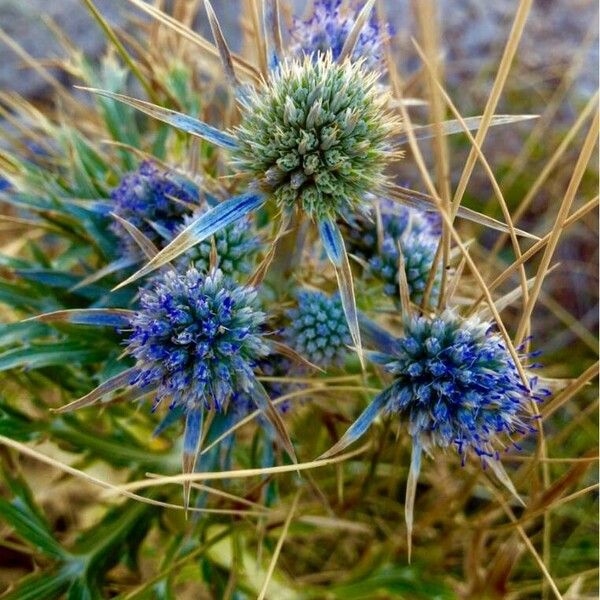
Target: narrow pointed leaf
<point>336,251</point>
<point>411,492</point>
<point>109,269</point>
<point>114,383</point>
<point>272,22</point>
<point>222,47</point>
<point>202,228</point>
<point>146,245</point>
<point>498,469</point>
<point>38,356</point>
<point>360,426</point>
<point>425,202</point>
<point>281,348</point>
<point>264,403</point>
<point>101,317</point>
<point>191,447</point>
<point>454,126</point>
<point>352,39</point>
<point>376,336</point>
<point>173,118</point>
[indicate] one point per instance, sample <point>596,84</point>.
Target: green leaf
<point>46,586</point>
<point>22,515</point>
<point>48,355</point>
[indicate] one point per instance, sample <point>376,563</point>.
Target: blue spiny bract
<point>328,28</point>
<point>155,202</point>
<point>195,339</point>
<point>318,329</point>
<point>236,246</point>
<point>316,135</point>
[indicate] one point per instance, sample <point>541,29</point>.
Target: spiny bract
<point>196,339</point>
<point>155,202</point>
<point>328,28</point>
<point>316,135</point>
<point>318,329</point>
<point>236,246</point>
<point>455,383</point>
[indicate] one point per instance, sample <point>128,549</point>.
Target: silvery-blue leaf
<point>207,224</point>
<point>114,383</point>
<point>101,317</point>
<point>191,443</point>
<point>336,251</point>
<point>375,336</point>
<point>174,118</point>
<point>332,241</point>
<point>411,492</point>
<point>264,403</point>
<point>360,426</point>
<point>272,33</point>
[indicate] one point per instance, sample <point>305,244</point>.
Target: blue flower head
<point>236,246</point>
<point>455,384</point>
<point>318,329</point>
<point>155,202</point>
<point>397,221</point>
<point>196,339</point>
<point>328,28</point>
<point>418,252</point>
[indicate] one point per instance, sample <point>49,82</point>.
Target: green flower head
<point>316,135</point>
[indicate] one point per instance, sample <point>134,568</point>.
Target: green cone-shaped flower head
<point>316,135</point>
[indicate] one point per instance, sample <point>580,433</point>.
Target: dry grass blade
<point>146,245</point>
<point>578,172</point>
<point>403,284</point>
<point>27,451</point>
<point>505,64</point>
<point>576,216</point>
<point>222,46</point>
<point>242,473</point>
<point>528,543</point>
<point>278,547</point>
<point>548,168</point>
<point>479,154</point>
<point>110,34</point>
<point>193,37</point>
<point>564,396</point>
<point>359,23</point>
<point>454,234</point>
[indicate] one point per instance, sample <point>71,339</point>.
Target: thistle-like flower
<point>236,246</point>
<point>455,384</point>
<point>318,329</point>
<point>195,339</point>
<point>328,28</point>
<point>418,253</point>
<point>315,136</point>
<point>155,202</point>
<point>367,231</point>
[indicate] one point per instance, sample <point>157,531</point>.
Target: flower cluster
<point>196,339</point>
<point>455,383</point>
<point>328,28</point>
<point>318,329</point>
<point>235,245</point>
<point>316,135</point>
<point>155,202</point>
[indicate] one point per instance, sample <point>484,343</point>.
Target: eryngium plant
<point>315,136</point>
